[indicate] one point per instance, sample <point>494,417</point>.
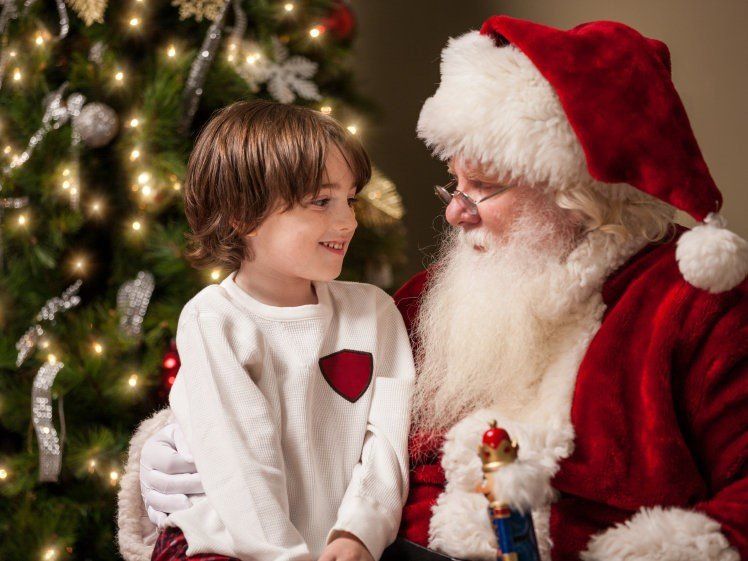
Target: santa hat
<point>592,105</point>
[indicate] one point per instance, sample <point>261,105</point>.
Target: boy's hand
<point>345,547</point>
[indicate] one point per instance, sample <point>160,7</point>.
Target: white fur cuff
<point>664,534</point>
<point>136,534</point>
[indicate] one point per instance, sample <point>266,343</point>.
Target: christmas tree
<point>99,106</point>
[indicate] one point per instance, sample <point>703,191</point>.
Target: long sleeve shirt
<point>297,418</point>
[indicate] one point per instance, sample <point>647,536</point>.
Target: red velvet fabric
<point>171,545</point>
<point>615,87</point>
<point>660,410</point>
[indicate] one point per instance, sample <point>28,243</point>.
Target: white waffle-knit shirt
<point>297,418</point>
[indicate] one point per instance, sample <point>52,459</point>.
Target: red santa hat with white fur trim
<point>595,104</point>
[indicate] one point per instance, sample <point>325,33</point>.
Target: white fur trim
<point>460,527</point>
<point>493,106</point>
<point>136,533</point>
<point>711,257</point>
<point>663,534</point>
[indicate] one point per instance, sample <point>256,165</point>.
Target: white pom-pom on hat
<point>711,257</point>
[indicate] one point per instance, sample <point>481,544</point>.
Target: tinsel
<point>193,89</point>
<point>50,446</point>
<point>132,302</point>
<point>381,203</point>
<point>199,9</point>
<point>286,77</point>
<point>68,299</point>
<point>90,11</point>
<point>56,114</point>
<point>10,202</point>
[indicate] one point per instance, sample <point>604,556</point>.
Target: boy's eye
<point>320,202</point>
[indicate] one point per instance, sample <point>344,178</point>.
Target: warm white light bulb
<point>288,6</point>
<point>172,51</point>
<point>136,226</point>
<point>39,39</point>
<point>135,154</point>
<point>353,129</point>
<point>326,109</point>
<point>22,220</point>
<point>314,32</point>
<point>215,274</point>
<point>133,380</point>
<point>17,75</point>
<point>119,76</point>
<point>134,22</point>
<point>3,473</point>
<point>98,348</point>
<point>134,122</point>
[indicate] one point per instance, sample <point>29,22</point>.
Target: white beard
<point>490,322</point>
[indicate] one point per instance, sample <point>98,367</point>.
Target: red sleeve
<point>715,399</point>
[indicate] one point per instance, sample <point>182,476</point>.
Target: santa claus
<point>565,304</point>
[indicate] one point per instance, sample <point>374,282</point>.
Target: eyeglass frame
<point>468,203</point>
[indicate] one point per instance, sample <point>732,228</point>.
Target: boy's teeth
<point>333,245</point>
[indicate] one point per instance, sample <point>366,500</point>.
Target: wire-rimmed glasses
<point>465,201</point>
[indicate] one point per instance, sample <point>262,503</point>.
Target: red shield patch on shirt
<point>348,372</point>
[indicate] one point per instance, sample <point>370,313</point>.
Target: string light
<point>133,380</point>
<point>316,31</point>
<point>79,264</point>
<point>7,150</point>
<point>119,76</point>
<point>17,75</point>
<point>91,466</point>
<point>288,6</point>
<point>353,129</point>
<point>326,109</point>
<point>12,54</point>
<point>135,154</point>
<point>22,220</point>
<point>177,185</point>
<point>171,51</point>
<point>147,191</point>
<point>134,22</point>
<point>215,274</point>
<point>98,348</point>
<point>3,474</point>
<point>50,553</point>
<point>144,177</point>
<point>52,359</point>
<point>136,225</point>
<point>97,207</point>
<point>113,477</point>
<point>39,40</point>
<point>253,57</point>
<point>134,122</point>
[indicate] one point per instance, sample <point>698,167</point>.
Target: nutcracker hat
<point>591,105</point>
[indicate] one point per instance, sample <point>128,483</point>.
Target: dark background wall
<point>397,61</point>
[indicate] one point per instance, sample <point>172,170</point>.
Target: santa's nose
<point>459,216</point>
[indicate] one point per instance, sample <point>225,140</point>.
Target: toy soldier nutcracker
<point>515,533</point>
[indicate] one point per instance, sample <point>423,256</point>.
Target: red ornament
<point>170,366</point>
<point>494,436</point>
<point>340,22</point>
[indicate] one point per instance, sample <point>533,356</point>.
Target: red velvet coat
<point>660,410</point>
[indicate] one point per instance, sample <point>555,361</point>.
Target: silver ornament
<point>97,124</point>
<point>50,445</point>
<point>132,302</point>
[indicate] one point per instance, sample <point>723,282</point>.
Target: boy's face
<point>310,240</point>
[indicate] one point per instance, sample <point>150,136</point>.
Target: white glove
<point>167,474</point>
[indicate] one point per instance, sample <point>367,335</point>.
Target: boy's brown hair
<point>252,158</point>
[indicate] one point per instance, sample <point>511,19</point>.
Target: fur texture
<point>494,107</point>
<point>136,533</point>
<point>662,534</point>
<point>711,257</point>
